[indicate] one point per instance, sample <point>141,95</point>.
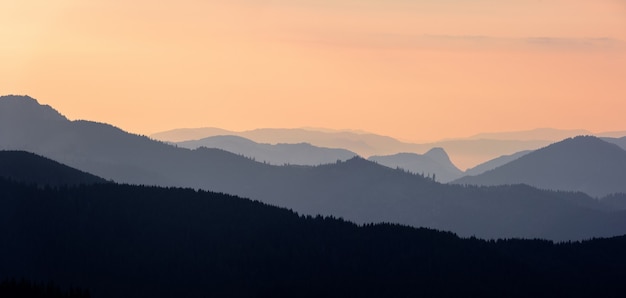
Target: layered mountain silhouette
<point>435,163</point>
<point>357,189</point>
<point>30,168</point>
<point>494,163</point>
<point>466,152</point>
<point>279,154</point>
<point>137,241</point>
<point>584,163</point>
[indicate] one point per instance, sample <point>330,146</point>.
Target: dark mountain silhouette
<point>136,241</point>
<point>357,190</point>
<point>462,151</point>
<point>585,163</point>
<point>494,163</point>
<point>279,154</point>
<point>434,162</point>
<point>34,169</point>
<point>617,141</point>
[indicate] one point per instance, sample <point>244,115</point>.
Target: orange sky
<point>413,69</point>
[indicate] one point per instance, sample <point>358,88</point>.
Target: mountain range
<point>464,153</point>
<point>278,154</point>
<point>434,162</point>
<point>357,190</point>
<point>587,164</point>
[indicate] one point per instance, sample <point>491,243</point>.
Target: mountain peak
<point>582,163</point>
<point>14,97</point>
<point>438,154</point>
<point>26,108</point>
<point>582,144</point>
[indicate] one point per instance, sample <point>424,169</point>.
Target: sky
<point>413,69</point>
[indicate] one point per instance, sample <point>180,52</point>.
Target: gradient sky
<point>413,69</point>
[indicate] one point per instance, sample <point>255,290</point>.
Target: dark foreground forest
<point>133,241</point>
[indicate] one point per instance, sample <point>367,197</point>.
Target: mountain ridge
<point>276,154</point>
<point>357,190</point>
<point>30,168</point>
<point>464,152</point>
<point>588,164</point>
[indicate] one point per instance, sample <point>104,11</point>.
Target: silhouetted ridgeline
<point>33,169</point>
<point>584,163</point>
<point>134,241</point>
<point>357,190</point>
<point>278,154</point>
<point>364,144</point>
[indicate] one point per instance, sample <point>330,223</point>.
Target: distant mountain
<point>362,144</point>
<point>434,162</point>
<point>611,134</point>
<point>137,241</point>
<point>586,164</point>
<point>464,153</point>
<point>617,141</point>
<point>357,190</point>
<point>190,134</point>
<point>30,168</point>
<point>549,134</point>
<point>494,163</point>
<point>279,154</point>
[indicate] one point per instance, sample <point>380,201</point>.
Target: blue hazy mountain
<point>357,189</point>
<point>434,162</point>
<point>617,141</point>
<point>584,163</point>
<point>494,163</point>
<point>30,168</point>
<point>462,151</point>
<point>278,154</point>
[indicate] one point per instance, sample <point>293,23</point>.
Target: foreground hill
<point>586,164</point>
<point>279,154</point>
<point>134,241</point>
<point>33,169</point>
<point>434,162</point>
<point>357,190</point>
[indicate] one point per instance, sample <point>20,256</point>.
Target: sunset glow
<point>416,70</point>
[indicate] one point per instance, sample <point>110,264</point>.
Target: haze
<point>417,70</point>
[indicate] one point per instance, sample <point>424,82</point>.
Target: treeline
<point>136,241</point>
